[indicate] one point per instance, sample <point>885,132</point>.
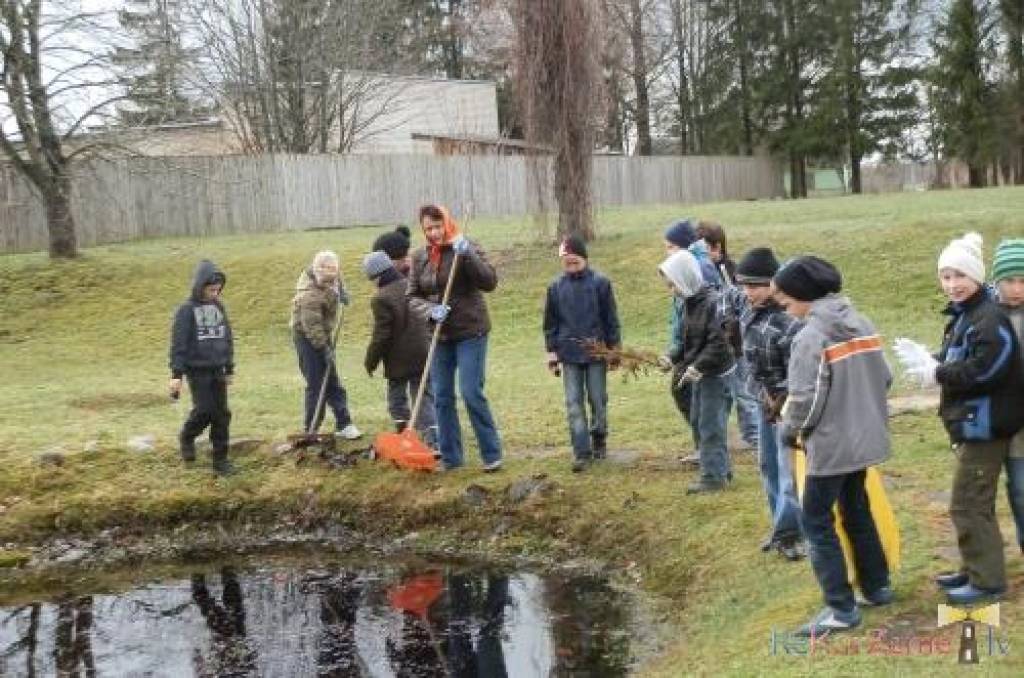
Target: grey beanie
<point>376,263</point>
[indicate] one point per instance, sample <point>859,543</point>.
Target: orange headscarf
<point>451,230</point>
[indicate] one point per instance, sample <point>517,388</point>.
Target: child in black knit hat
<point>580,306</point>
<point>768,333</point>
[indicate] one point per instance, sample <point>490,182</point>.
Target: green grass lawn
<point>83,353</point>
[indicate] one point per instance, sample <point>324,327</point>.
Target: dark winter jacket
<point>768,333</point>
<point>704,345</point>
<point>399,337</point>
<point>838,380</point>
<point>468,317</point>
<point>315,309</point>
<point>201,334</point>
<point>580,307</point>
<point>982,396</point>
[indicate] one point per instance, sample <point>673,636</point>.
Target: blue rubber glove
<point>439,312</point>
<point>461,245</point>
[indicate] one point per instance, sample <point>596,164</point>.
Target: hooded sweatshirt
<point>315,308</point>
<point>201,335</point>
<point>703,344</point>
<point>838,379</point>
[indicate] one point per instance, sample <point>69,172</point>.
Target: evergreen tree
<point>965,96</point>
<point>153,71</point>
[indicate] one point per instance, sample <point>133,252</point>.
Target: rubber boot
<point>187,448</point>
<point>222,466</point>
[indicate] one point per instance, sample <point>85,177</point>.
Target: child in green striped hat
<point>1008,276</point>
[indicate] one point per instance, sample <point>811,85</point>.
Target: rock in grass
<point>142,444</point>
<point>244,445</point>
<point>475,495</point>
<point>51,457</point>
<point>521,490</point>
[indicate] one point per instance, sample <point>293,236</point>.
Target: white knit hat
<point>683,271</point>
<point>965,255</point>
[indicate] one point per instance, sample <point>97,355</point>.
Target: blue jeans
<point>469,357</point>
<point>587,381</point>
<point>748,413</point>
<point>820,494</point>
<point>709,416</point>
<point>777,477</point>
<point>1015,493</point>
<point>314,366</point>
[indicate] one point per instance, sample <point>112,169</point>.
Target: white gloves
<point>691,375</point>
<point>917,362</point>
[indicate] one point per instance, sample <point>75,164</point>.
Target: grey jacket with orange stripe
<point>838,379</point>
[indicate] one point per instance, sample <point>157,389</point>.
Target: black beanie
<point>394,243</point>
<point>757,266</point>
<point>573,244</point>
<point>808,278</point>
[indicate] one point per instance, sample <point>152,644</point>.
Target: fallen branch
<point>633,362</point>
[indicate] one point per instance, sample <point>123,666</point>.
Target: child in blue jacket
<point>580,307</point>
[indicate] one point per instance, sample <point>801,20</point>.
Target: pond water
<point>325,619</point>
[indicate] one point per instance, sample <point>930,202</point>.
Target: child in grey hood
<point>838,379</point>
<point>202,351</point>
<point>704,359</point>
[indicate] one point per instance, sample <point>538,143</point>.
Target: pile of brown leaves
<point>633,362</point>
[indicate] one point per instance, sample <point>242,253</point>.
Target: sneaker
<point>767,544</point>
<point>579,464</point>
<point>969,594</point>
<point>792,549</point>
<point>600,446</point>
<point>350,432</point>
<point>493,467</point>
<point>830,620</point>
<point>951,580</point>
<point>882,596</point>
<point>705,486</point>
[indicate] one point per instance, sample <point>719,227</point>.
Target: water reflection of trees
<point>337,655</point>
<point>72,636</point>
<point>230,654</point>
<point>588,629</point>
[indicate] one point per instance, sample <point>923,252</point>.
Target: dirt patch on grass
<point>118,401</point>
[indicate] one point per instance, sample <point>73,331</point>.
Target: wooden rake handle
<point>433,345</point>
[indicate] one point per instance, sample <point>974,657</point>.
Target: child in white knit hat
<point>980,382</point>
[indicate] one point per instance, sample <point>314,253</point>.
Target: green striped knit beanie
<point>1009,260</point>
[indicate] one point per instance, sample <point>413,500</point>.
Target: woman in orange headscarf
<point>465,326</point>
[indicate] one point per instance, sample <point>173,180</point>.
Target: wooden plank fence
<point>136,198</point>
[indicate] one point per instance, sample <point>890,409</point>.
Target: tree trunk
<point>744,68</point>
<point>643,103</point>
<point>60,224</point>
<point>976,175</point>
<point>856,186</point>
<point>683,93</point>
<point>797,176</point>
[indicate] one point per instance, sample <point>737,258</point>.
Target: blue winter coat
<point>982,397</point>
<point>579,307</point>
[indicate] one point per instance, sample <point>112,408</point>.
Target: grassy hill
<point>83,353</point>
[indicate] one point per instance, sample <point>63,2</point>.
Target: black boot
<point>187,448</point>
<point>599,445</point>
<point>222,466</point>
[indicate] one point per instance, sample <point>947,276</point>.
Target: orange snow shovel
<point>405,449</point>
